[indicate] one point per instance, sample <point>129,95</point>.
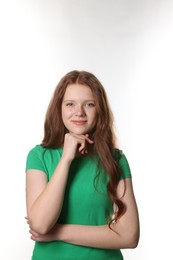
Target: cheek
<point>66,114</point>
<point>94,117</point>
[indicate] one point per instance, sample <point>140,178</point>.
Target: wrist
<point>61,232</point>
<point>67,161</point>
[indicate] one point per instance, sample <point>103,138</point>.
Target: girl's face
<point>79,113</point>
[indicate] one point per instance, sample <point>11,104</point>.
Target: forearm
<point>124,233</point>
<point>98,236</point>
<point>46,209</point>
<point>91,236</point>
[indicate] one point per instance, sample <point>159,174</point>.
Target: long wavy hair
<point>103,135</point>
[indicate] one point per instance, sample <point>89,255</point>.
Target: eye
<point>69,104</point>
<point>90,104</point>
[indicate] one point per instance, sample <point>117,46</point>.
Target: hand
<point>74,143</point>
<point>52,235</point>
<point>83,147</point>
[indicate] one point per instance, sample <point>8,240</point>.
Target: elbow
<point>129,240</point>
<point>133,240</point>
<point>133,243</point>
<point>38,226</point>
<point>40,229</point>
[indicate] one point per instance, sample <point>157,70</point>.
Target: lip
<point>79,122</point>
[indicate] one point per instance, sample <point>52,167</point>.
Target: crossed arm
<point>124,233</point>
<point>44,202</point>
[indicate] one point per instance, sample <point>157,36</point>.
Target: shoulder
<point>117,154</point>
<point>38,157</point>
<point>35,152</point>
<point>123,163</point>
<point>34,158</point>
<point>37,149</point>
<point>41,151</point>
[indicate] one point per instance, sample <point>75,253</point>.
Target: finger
<point>88,139</point>
<point>35,234</point>
<point>84,151</point>
<point>82,137</point>
<point>82,147</point>
<point>28,222</point>
<point>34,238</point>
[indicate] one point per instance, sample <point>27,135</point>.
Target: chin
<point>79,131</point>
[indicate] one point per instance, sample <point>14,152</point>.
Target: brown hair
<point>103,136</point>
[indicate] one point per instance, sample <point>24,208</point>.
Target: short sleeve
<point>124,167</point>
<point>35,159</point>
<point>123,164</point>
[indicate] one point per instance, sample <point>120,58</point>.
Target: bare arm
<point>125,233</point>
<point>44,199</point>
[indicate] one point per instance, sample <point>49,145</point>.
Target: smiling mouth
<point>79,122</point>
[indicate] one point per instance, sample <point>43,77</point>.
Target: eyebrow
<point>87,100</point>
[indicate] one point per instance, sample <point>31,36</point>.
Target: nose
<point>80,110</point>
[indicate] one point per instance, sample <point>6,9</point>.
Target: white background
<point>128,46</point>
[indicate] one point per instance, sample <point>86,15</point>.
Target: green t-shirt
<point>86,202</point>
